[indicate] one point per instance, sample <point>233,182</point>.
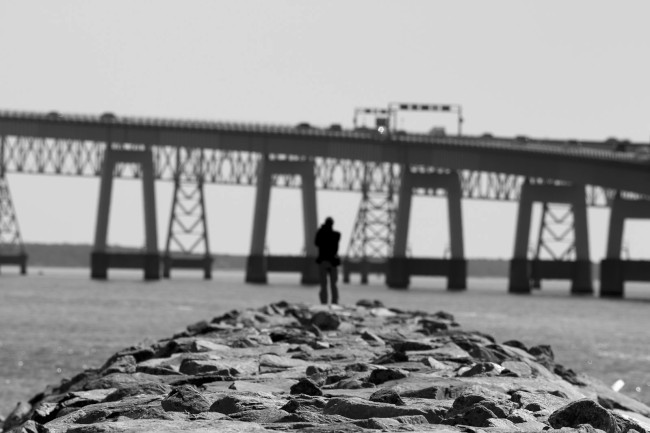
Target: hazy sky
<point>575,69</point>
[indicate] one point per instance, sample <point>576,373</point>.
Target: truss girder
<point>188,230</point>
<point>556,234</point>
<point>11,242</point>
<point>35,155</point>
<point>374,228</point>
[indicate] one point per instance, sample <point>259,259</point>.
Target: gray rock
<point>141,388</point>
<point>583,411</point>
<point>433,377</point>
<point>356,408</point>
<point>230,404</point>
<point>307,387</point>
<point>382,375</point>
<point>19,415</point>
<point>185,398</point>
<point>29,427</point>
<point>123,364</point>
<point>389,396</point>
<point>326,321</point>
<point>518,368</point>
<point>535,402</point>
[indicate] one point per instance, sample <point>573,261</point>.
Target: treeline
<point>78,255</point>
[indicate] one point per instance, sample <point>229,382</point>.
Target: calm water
<point>55,322</point>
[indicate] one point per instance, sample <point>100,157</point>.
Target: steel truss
<point>12,249</point>
<point>24,154</point>
<point>187,236</point>
<point>374,228</point>
<point>556,240</point>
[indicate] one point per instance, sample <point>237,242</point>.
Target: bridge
<point>386,167</point>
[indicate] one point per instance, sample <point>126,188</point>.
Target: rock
<point>391,357</point>
<point>370,368</point>
<point>387,396</point>
<point>538,401</point>
<point>203,366</point>
<point>411,345</point>
<point>382,375</point>
<point>142,388</point>
<point>325,321</point>
<point>19,415</point>
<point>544,355</point>
<point>568,375</point>
<point>517,368</point>
<point>30,427</point>
<point>307,387</point>
<point>185,398</point>
<point>482,369</point>
<point>583,411</point>
<point>372,338</point>
<point>356,408</point>
<point>230,404</point>
<point>476,415</point>
<point>375,303</point>
<point>124,364</point>
<point>516,343</point>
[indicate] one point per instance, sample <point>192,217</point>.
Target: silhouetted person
<point>327,241</point>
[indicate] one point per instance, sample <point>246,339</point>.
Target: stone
<point>29,427</point>
<point>385,395</point>
<point>544,355</point>
<point>366,368</point>
<point>482,369</point>
<point>382,375</point>
<point>538,401</point>
<point>583,411</point>
<point>185,398</point>
<point>306,387</point>
<point>142,388</point>
<point>230,404</point>
<point>375,303</point>
<point>517,368</point>
<point>19,415</point>
<point>326,321</point>
<point>357,408</point>
<point>203,366</point>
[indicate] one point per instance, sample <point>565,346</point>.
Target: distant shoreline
<point>78,256</point>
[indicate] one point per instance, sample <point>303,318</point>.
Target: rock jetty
<point>363,368</point>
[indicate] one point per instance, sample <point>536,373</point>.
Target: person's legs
<point>322,274</point>
<point>334,276</point>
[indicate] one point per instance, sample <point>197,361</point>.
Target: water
<point>56,322</point>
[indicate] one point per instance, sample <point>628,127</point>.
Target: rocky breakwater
<point>294,367</point>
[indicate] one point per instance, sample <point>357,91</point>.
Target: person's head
<point>329,222</point>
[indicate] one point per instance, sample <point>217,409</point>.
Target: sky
<point>554,69</point>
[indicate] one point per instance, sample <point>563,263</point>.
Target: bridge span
<point>387,168</point>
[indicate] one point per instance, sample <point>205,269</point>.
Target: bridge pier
<point>149,260</point>
<point>187,232</point>
<point>258,263</point>
<point>613,270</point>
<point>399,267</point>
<point>523,270</point>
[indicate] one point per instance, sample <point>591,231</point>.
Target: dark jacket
<point>327,241</point>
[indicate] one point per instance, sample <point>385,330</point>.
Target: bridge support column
<point>187,244</point>
<point>258,264</point>
<point>400,268</point>
<point>101,260</point>
<point>613,270</point>
<point>578,270</point>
